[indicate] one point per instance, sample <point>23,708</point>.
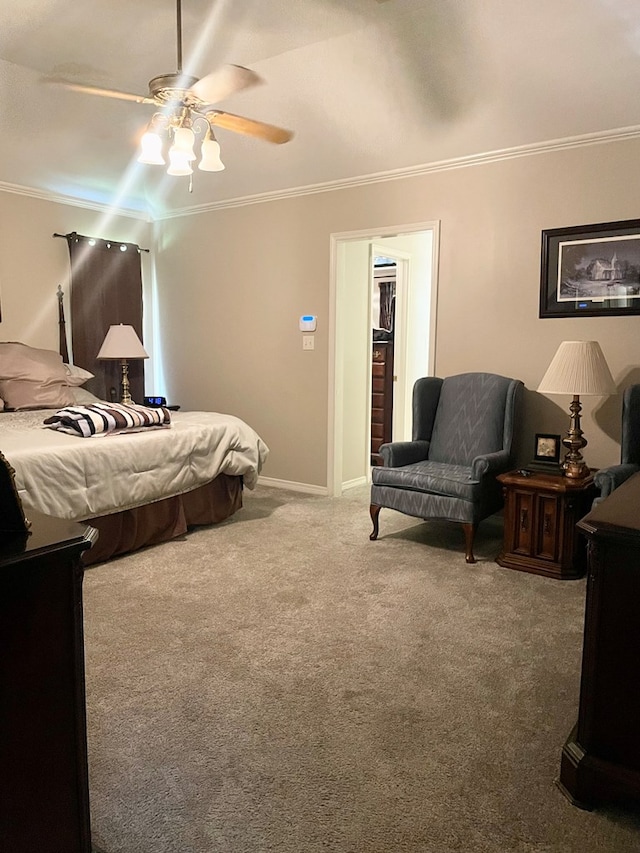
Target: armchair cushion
<point>435,478</point>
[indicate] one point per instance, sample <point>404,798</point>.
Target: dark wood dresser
<point>44,794</point>
<point>381,397</point>
<point>601,758</point>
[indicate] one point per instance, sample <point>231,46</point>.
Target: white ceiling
<point>367,86</point>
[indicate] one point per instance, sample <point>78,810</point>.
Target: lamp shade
<point>578,367</point>
<point>122,342</point>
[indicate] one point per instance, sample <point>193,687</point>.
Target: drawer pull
<point>524,519</point>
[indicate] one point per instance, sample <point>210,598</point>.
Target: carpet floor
<point>280,683</point>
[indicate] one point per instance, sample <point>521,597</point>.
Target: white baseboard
<point>307,488</point>
<point>352,484</point>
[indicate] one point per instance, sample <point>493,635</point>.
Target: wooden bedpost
<point>62,346</point>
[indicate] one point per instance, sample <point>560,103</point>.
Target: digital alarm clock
<point>155,401</point>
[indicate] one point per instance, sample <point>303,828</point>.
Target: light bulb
<point>151,149</point>
<point>210,161</point>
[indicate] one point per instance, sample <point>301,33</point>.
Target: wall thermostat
<point>308,323</point>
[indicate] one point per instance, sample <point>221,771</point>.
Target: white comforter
<point>79,478</point>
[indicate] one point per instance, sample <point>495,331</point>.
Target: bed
<point>136,487</point>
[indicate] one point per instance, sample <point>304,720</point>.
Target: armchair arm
<point>608,479</point>
<point>490,463</point>
<point>399,453</point>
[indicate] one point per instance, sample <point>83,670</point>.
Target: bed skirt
<point>160,521</point>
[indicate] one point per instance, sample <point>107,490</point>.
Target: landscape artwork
<point>607,268</point>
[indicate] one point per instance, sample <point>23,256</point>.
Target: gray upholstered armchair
<point>462,436</point>
<point>608,479</point>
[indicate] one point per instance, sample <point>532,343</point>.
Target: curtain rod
<point>84,237</point>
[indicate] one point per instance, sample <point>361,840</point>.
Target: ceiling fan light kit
<point>181,128</point>
<point>187,108</point>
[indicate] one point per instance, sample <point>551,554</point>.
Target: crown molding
<point>73,201</point>
<point>584,140</point>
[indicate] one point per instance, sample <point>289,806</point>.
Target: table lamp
<point>121,344</point>
<point>578,368</point>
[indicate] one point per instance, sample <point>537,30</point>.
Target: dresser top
<point>620,512</point>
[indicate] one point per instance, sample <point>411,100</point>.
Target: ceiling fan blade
<point>224,82</point>
<point>249,126</point>
<point>97,90</point>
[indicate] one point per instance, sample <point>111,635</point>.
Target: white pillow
<point>77,375</point>
<point>32,378</point>
<point>82,397</point>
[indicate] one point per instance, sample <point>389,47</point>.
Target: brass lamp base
<point>573,464</point>
<point>126,396</point>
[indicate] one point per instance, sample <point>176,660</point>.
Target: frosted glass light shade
<point>121,342</point>
<point>578,367</point>
<point>210,152</point>
<point>151,149</point>
<point>178,162</point>
<point>183,139</point>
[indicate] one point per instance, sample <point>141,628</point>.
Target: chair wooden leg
<point>469,536</point>
<point>374,512</point>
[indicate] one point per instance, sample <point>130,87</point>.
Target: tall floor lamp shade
<point>577,369</point>
<point>122,344</point>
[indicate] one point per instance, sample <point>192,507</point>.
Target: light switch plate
<point>308,342</point>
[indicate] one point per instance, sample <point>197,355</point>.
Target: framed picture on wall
<point>591,270</point>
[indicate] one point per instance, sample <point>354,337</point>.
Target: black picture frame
<point>591,270</point>
<point>546,449</point>
<point>12,518</point>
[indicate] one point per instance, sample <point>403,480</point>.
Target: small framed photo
<point>591,270</point>
<point>547,449</point>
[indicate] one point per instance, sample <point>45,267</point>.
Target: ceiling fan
<point>185,103</point>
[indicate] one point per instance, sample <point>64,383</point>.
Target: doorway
<point>383,315</point>
<point>415,248</point>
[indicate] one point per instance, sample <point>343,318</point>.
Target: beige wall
<point>232,284</point>
<point>33,264</point>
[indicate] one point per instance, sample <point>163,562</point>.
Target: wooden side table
<point>540,516</point>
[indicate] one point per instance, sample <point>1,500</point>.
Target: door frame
<point>335,389</point>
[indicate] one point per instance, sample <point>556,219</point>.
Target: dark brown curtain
<point>387,294</point>
<point>106,289</point>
